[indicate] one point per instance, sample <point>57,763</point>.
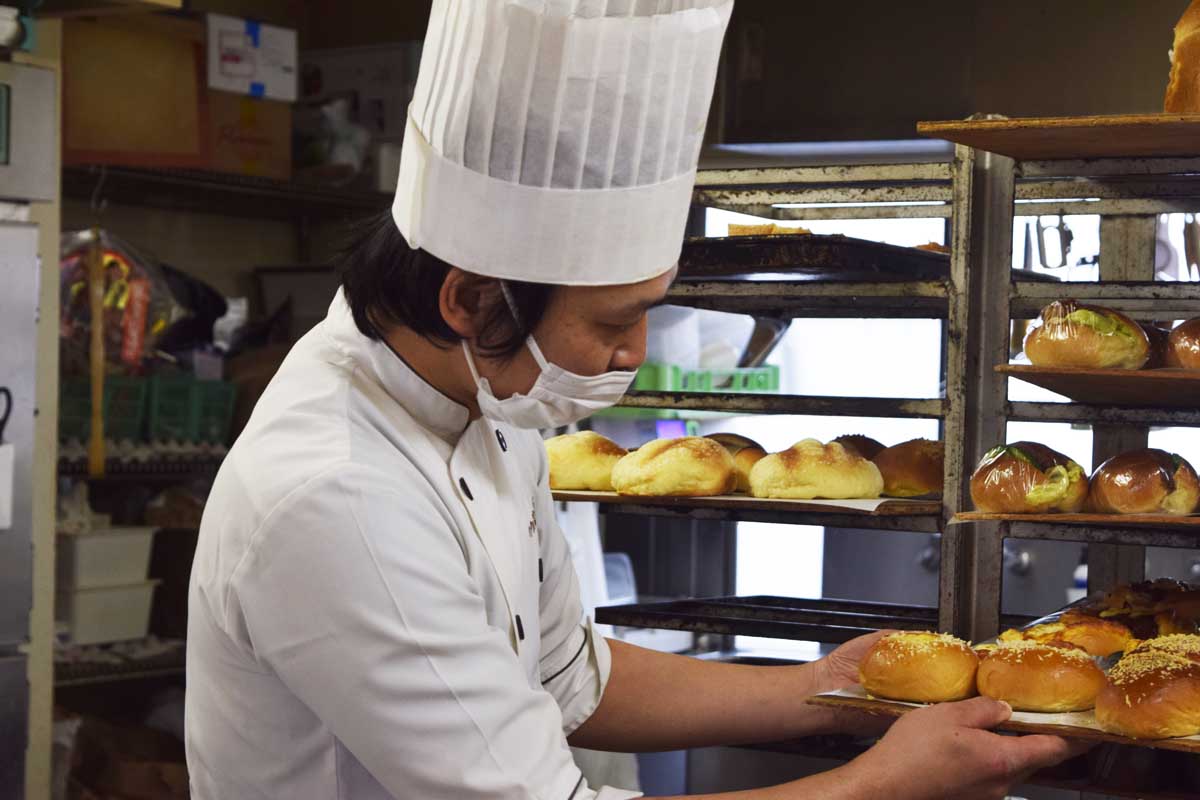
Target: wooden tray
<point>1154,388</point>
<point>889,508</point>
<point>1050,138</point>
<point>1191,522</point>
<point>884,708</point>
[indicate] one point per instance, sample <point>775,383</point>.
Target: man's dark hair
<point>389,283</point>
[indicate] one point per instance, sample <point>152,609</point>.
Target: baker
<point>382,605</point>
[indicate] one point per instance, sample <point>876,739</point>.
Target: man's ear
<point>465,299</point>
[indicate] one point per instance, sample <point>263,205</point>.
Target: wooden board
<point>1153,388</point>
<point>884,708</point>
<point>1050,138</point>
<point>1160,521</point>
<point>889,508</point>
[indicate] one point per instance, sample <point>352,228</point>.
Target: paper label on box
<point>7,454</point>
<point>248,58</point>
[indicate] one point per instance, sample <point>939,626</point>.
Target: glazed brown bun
<point>809,470</point>
<point>1183,88</point>
<point>1077,335</point>
<point>582,460</point>
<point>919,667</point>
<point>1158,337</point>
<point>1183,346</point>
<point>746,453</point>
<point>691,466</point>
<point>1154,691</point>
<point>1097,637</point>
<point>1028,478</point>
<point>1144,482</point>
<point>865,446</point>
<point>912,468</point>
<point>1036,676</point>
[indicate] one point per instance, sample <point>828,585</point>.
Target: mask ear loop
<point>530,342</point>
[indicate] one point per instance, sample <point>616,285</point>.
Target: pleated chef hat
<point>556,141</point>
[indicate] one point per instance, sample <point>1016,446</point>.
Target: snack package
<point>138,305</point>
<point>1028,478</point>
<point>1070,334</point>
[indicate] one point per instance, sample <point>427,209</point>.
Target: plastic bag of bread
<point>809,470</point>
<point>1183,87</point>
<point>1146,481</point>
<point>582,461</point>
<point>912,469</point>
<point>1096,636</point>
<point>1051,677</point>
<point>919,667</point>
<point>746,453</point>
<point>1028,478</point>
<point>1159,338</point>
<point>1183,346</point>
<point>1154,690</point>
<point>1071,334</point>
<point>690,466</point>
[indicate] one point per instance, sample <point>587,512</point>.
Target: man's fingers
<point>1030,753</point>
<point>978,712</point>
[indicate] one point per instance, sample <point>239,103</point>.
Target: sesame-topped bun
<point>919,667</point>
<point>1099,637</point>
<point>690,466</point>
<point>1037,676</point>
<point>912,469</point>
<point>865,446</point>
<point>746,453</point>
<point>1076,335</point>
<point>809,469</point>
<point>1154,690</point>
<point>1148,481</point>
<point>582,460</point>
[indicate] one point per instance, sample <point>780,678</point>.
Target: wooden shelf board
<point>1054,138</point>
<point>735,502</point>
<point>1191,523</point>
<point>1148,388</point>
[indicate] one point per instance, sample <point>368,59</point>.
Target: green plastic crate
<point>748,379</point>
<point>215,416</point>
<point>651,377</point>
<point>124,408</point>
<point>174,410</point>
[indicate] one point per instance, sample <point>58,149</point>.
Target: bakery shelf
<point>822,620</point>
<point>1154,388</point>
<point>815,255</point>
<point>918,516</point>
<point>1117,531</point>
<point>217,193</point>
<point>167,470</point>
<point>752,403</point>
<point>1048,138</point>
<point>1099,414</point>
<point>119,668</point>
<point>797,297</point>
<point>1143,299</point>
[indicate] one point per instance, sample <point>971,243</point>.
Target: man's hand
<point>839,669</point>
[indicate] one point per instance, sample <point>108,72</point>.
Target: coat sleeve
<point>356,594</point>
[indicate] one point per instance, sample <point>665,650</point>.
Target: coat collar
<point>427,405</point>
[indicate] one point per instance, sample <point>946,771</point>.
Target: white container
<point>113,614</point>
<point>100,558</point>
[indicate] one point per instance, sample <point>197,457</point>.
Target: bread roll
<point>1159,338</point>
<point>1036,676</point>
<point>1146,481</point>
<point>934,247</point>
<point>1183,88</point>
<point>1097,637</point>
<point>582,460</point>
<point>691,466</point>
<point>809,469</point>
<point>1154,691</point>
<point>746,453</point>
<point>1028,478</point>
<point>865,446</point>
<point>919,667</point>
<point>767,229</point>
<point>1183,346</point>
<point>1077,335</point>
<point>912,468</point>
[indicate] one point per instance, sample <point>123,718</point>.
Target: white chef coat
<point>382,604</point>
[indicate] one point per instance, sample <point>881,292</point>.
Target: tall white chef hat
<point>556,141</point>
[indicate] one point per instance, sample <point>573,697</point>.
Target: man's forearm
<point>660,701</point>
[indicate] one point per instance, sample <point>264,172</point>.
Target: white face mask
<point>557,398</point>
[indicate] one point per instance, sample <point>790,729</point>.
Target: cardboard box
<point>247,57</point>
<point>134,95</point>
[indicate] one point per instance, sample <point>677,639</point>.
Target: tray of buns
<point>1050,138</point>
<point>876,506</point>
<point>1121,666</point>
<point>1155,388</point>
